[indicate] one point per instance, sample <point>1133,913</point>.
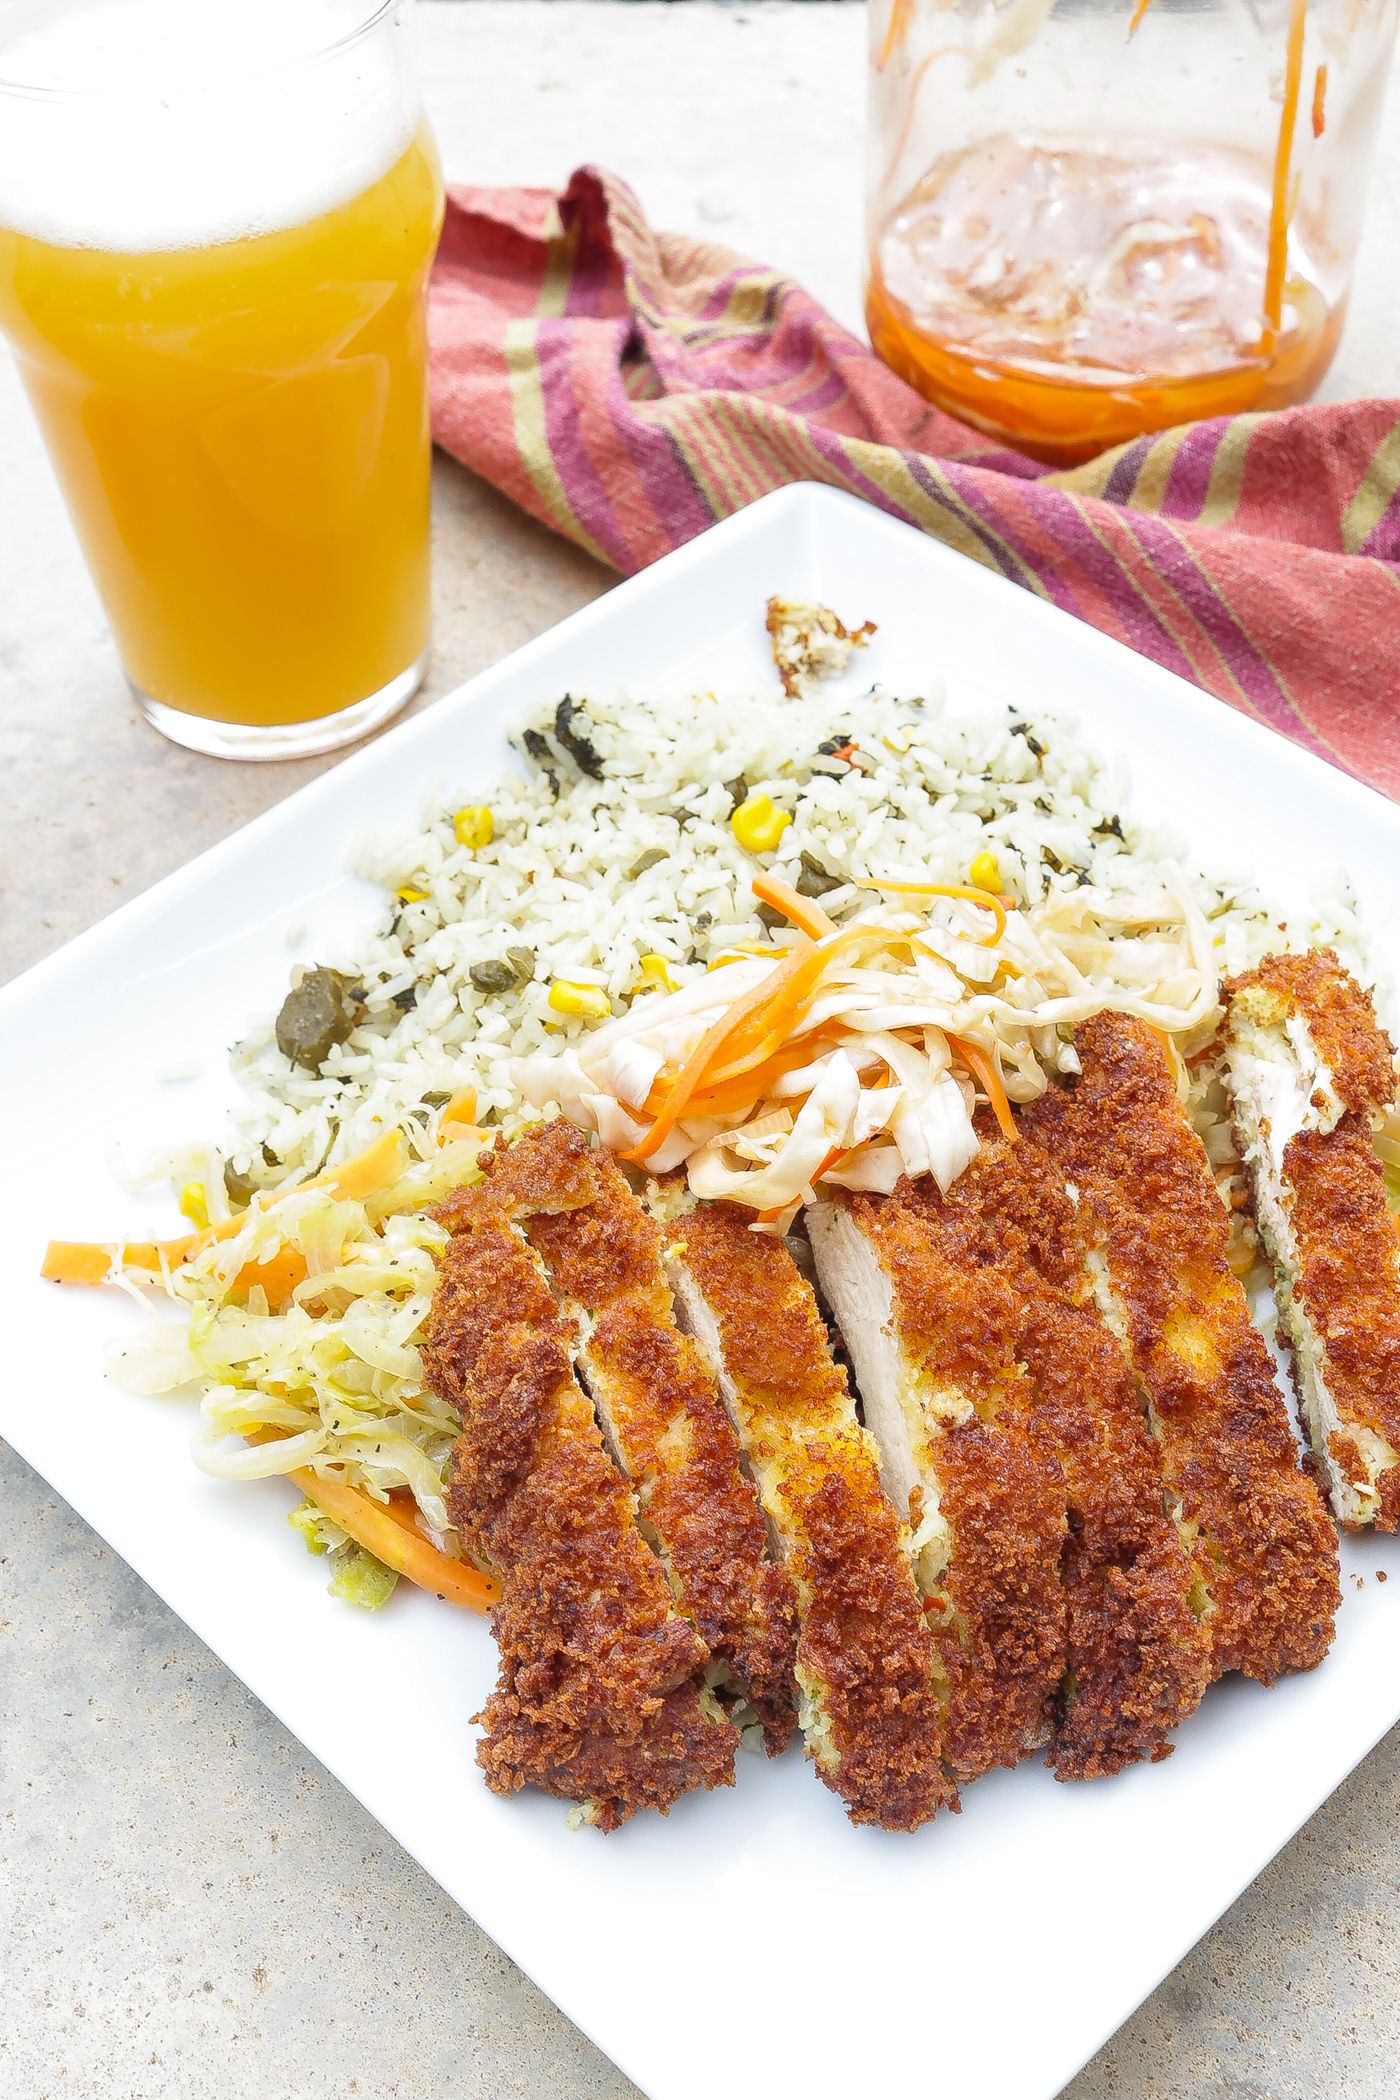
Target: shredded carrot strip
<point>894,35</point>
<point>801,910</point>
<point>77,1261</point>
<point>696,1066</point>
<point>458,1118</point>
<point>74,1261</point>
<point>278,1277</point>
<point>1280,210</point>
<point>398,1544</point>
<point>754,1023</point>
<point>984,1071</point>
<point>1138,12</point>
<point>729,1090</point>
<point>837,1152</point>
<point>944,889</point>
<point>1319,108</point>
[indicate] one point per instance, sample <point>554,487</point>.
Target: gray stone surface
<point>189,1904</point>
<point>192,1907</point>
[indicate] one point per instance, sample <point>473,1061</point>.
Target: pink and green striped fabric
<point>629,388</point>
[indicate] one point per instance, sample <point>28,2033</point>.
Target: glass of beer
<point>1090,219</point>
<point>217,219</point>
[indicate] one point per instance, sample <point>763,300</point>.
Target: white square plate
<point>753,1935</point>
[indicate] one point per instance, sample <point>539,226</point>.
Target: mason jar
<point>1093,218</point>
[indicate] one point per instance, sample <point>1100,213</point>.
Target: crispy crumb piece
<point>810,643</point>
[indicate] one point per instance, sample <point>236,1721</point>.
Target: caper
<point>814,880</point>
<point>492,976</point>
<point>316,1015</point>
<point>240,1188</point>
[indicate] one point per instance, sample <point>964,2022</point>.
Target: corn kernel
<point>985,874</point>
<point>408,895</point>
<point>896,740</point>
<point>587,999</point>
<point>194,1204</point>
<point>757,825</point>
<point>655,974</point>
<point>474,827</point>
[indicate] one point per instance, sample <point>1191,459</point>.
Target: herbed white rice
<point>642,861</point>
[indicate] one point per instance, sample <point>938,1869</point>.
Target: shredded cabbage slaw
<point>305,1314</point>
<point>861,1053</point>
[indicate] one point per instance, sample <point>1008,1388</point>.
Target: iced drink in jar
<point>216,226</point>
<point>1093,219</point>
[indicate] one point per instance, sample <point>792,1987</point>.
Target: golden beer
<point>240,428</point>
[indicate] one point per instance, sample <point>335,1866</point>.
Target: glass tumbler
<point>217,219</point>
<point>1093,218</point>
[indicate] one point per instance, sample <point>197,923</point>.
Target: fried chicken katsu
<point>1308,1068</point>
<point>661,1415</point>
<point>601,1696</point>
<point>952,1409</point>
<point>1262,1546</point>
<point>865,1661</point>
<point>1137,1655</point>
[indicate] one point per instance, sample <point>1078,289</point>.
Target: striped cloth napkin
<point>629,388</point>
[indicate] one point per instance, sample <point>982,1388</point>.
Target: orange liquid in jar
<point>241,434</point>
<point>1066,297</point>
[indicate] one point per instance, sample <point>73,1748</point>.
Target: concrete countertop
<point>192,1905</point>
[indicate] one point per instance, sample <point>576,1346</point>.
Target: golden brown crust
<point>1138,1657</point>
<point>676,1443</point>
<point>1341,1020</point>
<point>599,1695</point>
<point>1341,1278</point>
<point>1348,1286</point>
<point>1001,1640</point>
<point>1266,1550</point>
<point>864,1650</point>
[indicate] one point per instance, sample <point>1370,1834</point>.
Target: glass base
<point>291,740</point>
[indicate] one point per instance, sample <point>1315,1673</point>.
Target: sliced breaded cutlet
<point>1138,1656</point>
<point>1157,1237</point>
<point>934,1349</point>
<point>865,1660</point>
<point>1308,1068</point>
<point>601,1697</point>
<point>661,1415</point>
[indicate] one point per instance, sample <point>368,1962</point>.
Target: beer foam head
<point>148,125</point>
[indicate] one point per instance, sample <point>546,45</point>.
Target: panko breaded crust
<point>663,1416</point>
<point>1139,1658</point>
<point>864,1654</point>
<point>1263,1547</point>
<point>1000,1632</point>
<point>1341,1020</point>
<point>601,1696</point>
<point>1339,1280</point>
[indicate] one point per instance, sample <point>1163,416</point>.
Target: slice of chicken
<point>1138,1656</point>
<point>661,1415</point>
<point>1157,1238</point>
<point>601,1697</point>
<point>866,1666</point>
<point>952,1411</point>
<point>1308,1070</point>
